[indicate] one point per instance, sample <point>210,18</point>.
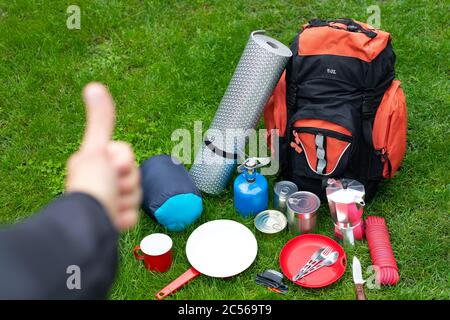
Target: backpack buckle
<point>352,27</point>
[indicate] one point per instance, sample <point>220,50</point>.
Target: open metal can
<point>281,191</point>
<point>270,221</point>
<point>301,212</point>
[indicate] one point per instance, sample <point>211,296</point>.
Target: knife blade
<point>358,279</point>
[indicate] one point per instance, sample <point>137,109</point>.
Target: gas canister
<point>251,188</point>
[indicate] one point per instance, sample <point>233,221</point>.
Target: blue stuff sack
<point>169,194</point>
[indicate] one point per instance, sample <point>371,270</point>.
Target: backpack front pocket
<point>319,148</point>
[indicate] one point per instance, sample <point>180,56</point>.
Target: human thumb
<point>100,116</point>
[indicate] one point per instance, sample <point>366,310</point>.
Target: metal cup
<point>302,209</point>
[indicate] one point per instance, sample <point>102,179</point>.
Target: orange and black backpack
<point>338,110</point>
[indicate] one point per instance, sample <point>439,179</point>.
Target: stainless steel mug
<point>302,209</point>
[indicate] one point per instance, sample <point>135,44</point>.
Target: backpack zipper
<point>325,132</point>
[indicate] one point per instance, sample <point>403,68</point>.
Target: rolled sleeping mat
<point>169,193</point>
<point>214,165</point>
<point>253,81</point>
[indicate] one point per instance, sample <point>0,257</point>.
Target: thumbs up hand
<point>103,168</point>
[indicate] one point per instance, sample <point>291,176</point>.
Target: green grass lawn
<point>168,63</point>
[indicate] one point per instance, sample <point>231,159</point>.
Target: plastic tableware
<point>297,251</point>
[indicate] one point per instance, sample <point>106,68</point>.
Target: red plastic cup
<point>157,252</point>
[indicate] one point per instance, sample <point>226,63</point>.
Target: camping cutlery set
<point>323,257</point>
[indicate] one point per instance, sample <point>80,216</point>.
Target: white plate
<point>221,248</point>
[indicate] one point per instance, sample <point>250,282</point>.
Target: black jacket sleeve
<point>44,256</point>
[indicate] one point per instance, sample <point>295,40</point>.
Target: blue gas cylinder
<point>251,194</point>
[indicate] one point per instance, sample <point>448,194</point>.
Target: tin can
<point>281,191</point>
<point>302,209</point>
<point>270,221</point>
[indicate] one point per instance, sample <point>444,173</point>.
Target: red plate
<point>297,252</point>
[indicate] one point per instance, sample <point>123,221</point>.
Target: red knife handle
<point>360,292</point>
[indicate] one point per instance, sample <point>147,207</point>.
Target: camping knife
<point>358,279</point>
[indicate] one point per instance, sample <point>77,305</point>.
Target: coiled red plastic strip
<point>377,235</point>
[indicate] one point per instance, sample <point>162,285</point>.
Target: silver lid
<point>270,221</point>
<point>285,188</point>
<point>303,202</point>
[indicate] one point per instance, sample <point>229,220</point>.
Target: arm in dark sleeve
<point>36,255</point>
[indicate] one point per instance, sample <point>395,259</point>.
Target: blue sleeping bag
<point>169,194</point>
